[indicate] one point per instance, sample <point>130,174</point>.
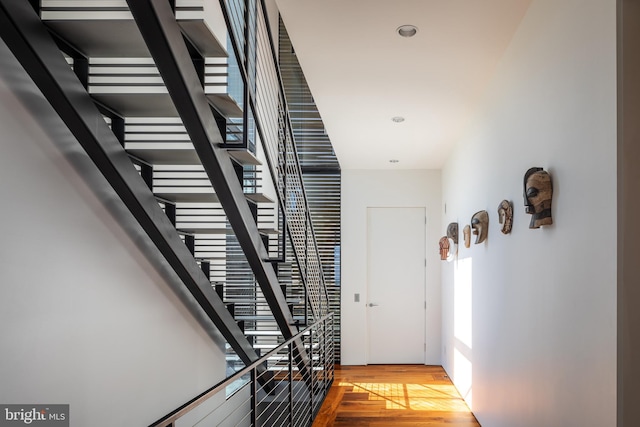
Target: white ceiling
<point>362,73</point>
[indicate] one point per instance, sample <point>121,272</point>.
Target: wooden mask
<point>480,224</point>
<point>505,216</point>
<point>466,232</point>
<point>538,192</point>
<point>452,232</point>
<point>444,248</point>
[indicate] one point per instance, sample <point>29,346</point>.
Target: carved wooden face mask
<point>452,232</point>
<point>480,224</point>
<point>466,232</point>
<point>444,248</point>
<point>505,216</point>
<point>538,192</point>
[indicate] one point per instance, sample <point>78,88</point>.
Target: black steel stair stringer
<point>163,37</point>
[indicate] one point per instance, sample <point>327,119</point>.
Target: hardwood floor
<point>393,395</point>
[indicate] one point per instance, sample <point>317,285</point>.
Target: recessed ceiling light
<point>397,119</point>
<point>407,30</point>
<point>394,161</point>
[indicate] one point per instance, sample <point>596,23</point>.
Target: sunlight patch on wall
<point>462,309</point>
<point>463,375</point>
<point>463,328</point>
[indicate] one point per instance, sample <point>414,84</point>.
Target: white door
<point>396,285</point>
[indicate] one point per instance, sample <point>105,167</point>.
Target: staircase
<point>189,124</point>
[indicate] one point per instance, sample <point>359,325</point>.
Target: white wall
<point>543,349</point>
<point>273,15</point>
<point>373,188</point>
<point>85,318</point>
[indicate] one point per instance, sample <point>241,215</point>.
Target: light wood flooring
<point>393,395</point>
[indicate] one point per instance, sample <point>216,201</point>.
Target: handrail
<point>168,419</point>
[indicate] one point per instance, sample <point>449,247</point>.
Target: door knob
<point>372,304</point>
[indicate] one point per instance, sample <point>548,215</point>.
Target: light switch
<point>356,297</point>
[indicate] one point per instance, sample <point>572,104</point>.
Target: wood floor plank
<point>393,395</point>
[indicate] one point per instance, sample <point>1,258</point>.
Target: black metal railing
<point>320,168</point>
<point>293,400</point>
<point>267,103</point>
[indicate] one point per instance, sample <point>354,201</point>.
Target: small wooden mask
<point>538,192</point>
<point>466,232</point>
<point>480,224</point>
<point>444,248</point>
<point>505,216</point>
<point>452,232</point>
